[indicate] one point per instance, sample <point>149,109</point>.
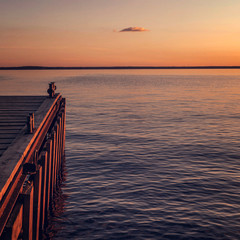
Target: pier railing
<point>26,196</point>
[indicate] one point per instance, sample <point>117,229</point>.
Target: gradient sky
<point>87,32</point>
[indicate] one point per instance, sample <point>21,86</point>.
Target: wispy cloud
<point>134,29</point>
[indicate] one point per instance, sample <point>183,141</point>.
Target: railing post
<point>51,89</point>
<point>30,122</point>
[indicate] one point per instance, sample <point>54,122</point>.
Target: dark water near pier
<point>149,154</point>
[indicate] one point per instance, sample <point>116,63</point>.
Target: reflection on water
<point>149,154</point>
<point>57,207</point>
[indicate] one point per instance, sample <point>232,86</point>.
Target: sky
<point>119,32</point>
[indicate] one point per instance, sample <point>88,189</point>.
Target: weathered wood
<point>22,149</point>
<point>60,141</point>
<point>53,162</point>
<point>3,146</point>
<point>12,123</point>
<point>22,145</point>
<point>49,176</point>
<point>17,110</point>
<point>43,163</point>
<point>6,140</point>
<point>64,124</point>
<point>15,128</point>
<point>28,212</point>
<point>2,151</point>
<point>7,135</point>
<point>13,115</point>
<point>52,166</point>
<point>37,202</point>
<point>18,149</point>
<point>8,201</point>
<point>9,131</point>
<point>14,224</point>
<point>17,98</point>
<point>57,152</point>
<point>18,104</point>
<point>4,120</point>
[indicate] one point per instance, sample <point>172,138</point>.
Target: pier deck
<point>13,116</point>
<point>32,136</point>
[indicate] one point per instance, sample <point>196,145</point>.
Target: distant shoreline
<point>116,67</point>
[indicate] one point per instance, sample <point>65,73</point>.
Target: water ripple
<point>154,158</point>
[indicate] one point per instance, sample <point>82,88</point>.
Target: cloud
<point>134,29</point>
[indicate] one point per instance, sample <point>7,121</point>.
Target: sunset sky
<point>119,32</point>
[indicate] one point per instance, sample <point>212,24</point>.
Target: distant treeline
<point>117,67</point>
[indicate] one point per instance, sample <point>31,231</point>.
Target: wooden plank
<point>11,124</point>
<point>11,118</point>
<point>21,113</point>
<point>53,138</point>
<point>10,104</point>
<point>3,146</point>
<point>1,152</point>
<point>37,183</point>
<point>14,224</point>
<point>5,120</point>
<point>60,140</point>
<point>57,153</point>
<point>49,176</point>
<point>8,131</point>
<point>28,212</point>
<point>18,110</point>
<point>15,102</point>
<point>7,136</point>
<point>6,141</point>
<point>13,114</point>
<point>55,159</point>
<point>11,127</point>
<point>14,107</point>
<point>22,98</point>
<point>64,124</point>
<point>10,200</point>
<point>43,193</point>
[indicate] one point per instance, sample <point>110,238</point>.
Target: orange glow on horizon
<point>163,34</point>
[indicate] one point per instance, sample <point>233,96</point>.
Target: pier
<point>32,142</point>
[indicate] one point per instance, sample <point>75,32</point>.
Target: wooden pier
<point>32,141</point>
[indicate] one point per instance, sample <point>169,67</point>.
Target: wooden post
<point>37,183</point>
<point>27,196</point>
<point>30,122</point>
<point>57,151</point>
<point>51,90</point>
<point>53,162</point>
<point>14,224</point>
<point>56,154</point>
<point>62,135</point>
<point>64,124</point>
<point>43,162</point>
<point>49,176</point>
<point>60,140</point>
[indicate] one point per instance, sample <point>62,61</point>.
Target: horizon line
<point>115,67</point>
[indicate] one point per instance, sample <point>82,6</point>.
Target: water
<point>149,154</point>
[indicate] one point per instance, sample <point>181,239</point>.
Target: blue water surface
<point>149,155</point>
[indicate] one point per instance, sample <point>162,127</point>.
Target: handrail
<point>13,189</point>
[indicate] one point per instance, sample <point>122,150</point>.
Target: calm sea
<point>150,154</point>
